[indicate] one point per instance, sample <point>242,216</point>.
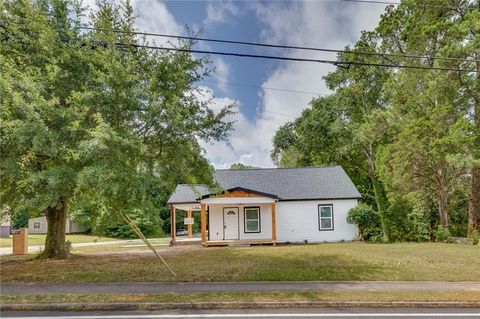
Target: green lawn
<point>35,240</point>
<point>342,261</point>
<point>366,296</point>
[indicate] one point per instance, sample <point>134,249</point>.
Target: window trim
<point>35,224</point>
<point>320,218</point>
<point>245,231</point>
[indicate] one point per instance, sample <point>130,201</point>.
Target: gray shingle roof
<point>287,183</point>
<point>187,193</point>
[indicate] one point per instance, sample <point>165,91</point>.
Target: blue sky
<point>260,111</point>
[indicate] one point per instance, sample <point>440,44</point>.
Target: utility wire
<point>397,3</point>
<point>264,87</point>
<point>265,111</point>
<point>268,45</point>
<point>272,57</point>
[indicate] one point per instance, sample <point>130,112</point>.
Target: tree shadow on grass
<point>303,267</point>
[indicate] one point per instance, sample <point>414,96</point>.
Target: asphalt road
<point>257,313</point>
<point>193,287</point>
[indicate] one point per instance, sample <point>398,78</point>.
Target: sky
<point>250,84</point>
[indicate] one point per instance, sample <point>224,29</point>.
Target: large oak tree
<point>91,121</point>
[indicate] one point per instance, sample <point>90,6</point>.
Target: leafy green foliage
<point>474,237</point>
<point>409,139</point>
<point>241,166</point>
<point>441,234</point>
<point>367,221</point>
<point>93,128</point>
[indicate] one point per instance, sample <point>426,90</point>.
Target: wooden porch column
<point>189,226</point>
<point>203,222</point>
<point>173,226</point>
<point>274,225</point>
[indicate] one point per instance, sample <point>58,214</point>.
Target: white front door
<point>230,223</point>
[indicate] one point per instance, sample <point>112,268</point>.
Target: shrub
<point>474,237</point>
<point>367,221</point>
<point>441,234</point>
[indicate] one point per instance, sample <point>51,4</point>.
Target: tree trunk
<point>474,204</point>
<point>442,208</point>
<point>55,242</point>
<point>381,206</point>
<point>474,201</point>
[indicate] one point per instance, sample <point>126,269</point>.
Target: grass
<point>342,261</point>
<point>36,240</point>
<point>369,296</point>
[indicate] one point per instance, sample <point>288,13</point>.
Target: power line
<point>272,57</point>
<point>269,45</point>
<point>264,111</point>
<point>397,3</point>
<point>264,87</point>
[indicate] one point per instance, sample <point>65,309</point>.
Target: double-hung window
<point>325,217</point>
<point>251,216</point>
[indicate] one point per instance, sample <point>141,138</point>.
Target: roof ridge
<point>273,168</point>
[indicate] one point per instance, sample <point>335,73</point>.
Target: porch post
<point>203,222</point>
<point>173,225</point>
<point>189,226</point>
<point>274,225</point>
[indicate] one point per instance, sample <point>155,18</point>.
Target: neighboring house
<point>272,205</point>
<point>38,225</point>
<point>5,226</point>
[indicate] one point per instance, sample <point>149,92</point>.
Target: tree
<point>431,148</point>
<point>345,128</point>
<point>448,30</point>
<point>90,121</point>
<point>241,166</point>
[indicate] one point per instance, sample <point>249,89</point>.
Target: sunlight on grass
<point>343,261</point>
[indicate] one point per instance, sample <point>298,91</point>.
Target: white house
<point>5,225</point>
<point>38,225</point>
<point>271,206</point>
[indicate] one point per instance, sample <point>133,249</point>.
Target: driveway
<point>34,249</point>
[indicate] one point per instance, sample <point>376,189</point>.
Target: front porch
<point>235,217</point>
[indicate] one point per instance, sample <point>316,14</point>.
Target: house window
<point>36,225</point>
<point>251,217</point>
<point>325,217</point>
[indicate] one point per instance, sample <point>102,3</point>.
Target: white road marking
<point>263,315</point>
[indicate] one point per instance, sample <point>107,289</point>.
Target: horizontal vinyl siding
<point>43,225</point>
<point>298,221</point>
<point>70,226</point>
<point>216,222</point>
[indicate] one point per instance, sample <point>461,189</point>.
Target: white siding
<point>216,222</point>
<point>298,221</point>
<point>70,226</point>
<point>43,225</point>
<point>76,227</point>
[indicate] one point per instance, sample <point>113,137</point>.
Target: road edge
<point>227,305</point>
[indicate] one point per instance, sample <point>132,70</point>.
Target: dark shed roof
<point>303,183</point>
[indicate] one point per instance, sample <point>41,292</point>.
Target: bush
<point>441,234</point>
<point>367,221</point>
<point>149,224</point>
<point>474,237</point>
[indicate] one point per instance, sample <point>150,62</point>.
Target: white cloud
<point>310,23</point>
<point>151,16</point>
<point>222,72</point>
<point>220,11</point>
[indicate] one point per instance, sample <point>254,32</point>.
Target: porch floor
<point>241,242</point>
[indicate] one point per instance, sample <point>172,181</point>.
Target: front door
<point>230,223</point>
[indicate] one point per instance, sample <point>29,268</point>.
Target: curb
<point>229,305</point>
